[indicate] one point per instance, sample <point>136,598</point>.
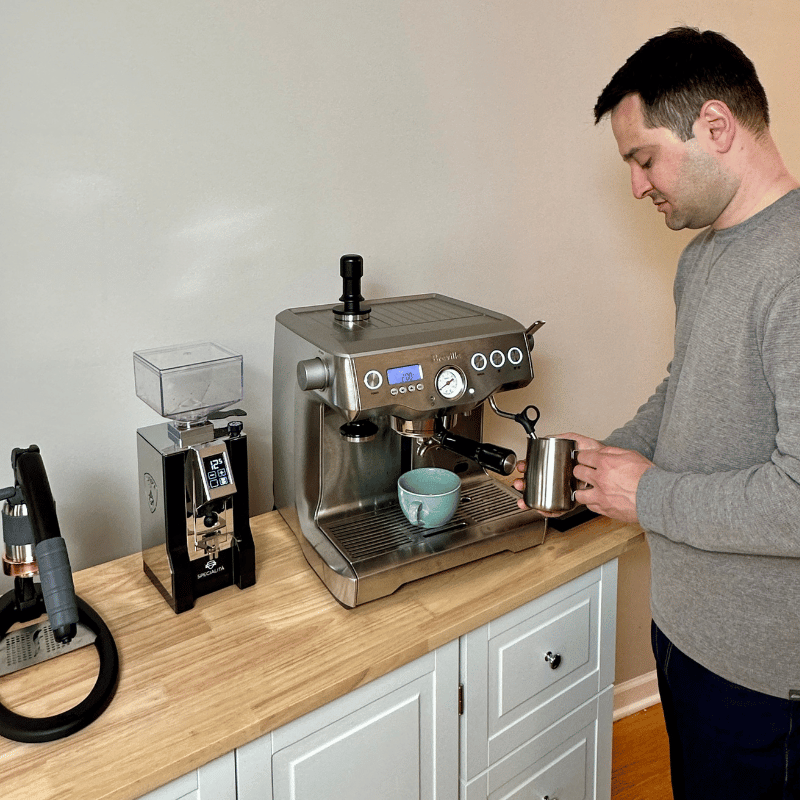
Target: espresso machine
<point>363,392</point>
<point>193,484</point>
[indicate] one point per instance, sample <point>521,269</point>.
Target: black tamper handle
<point>55,573</point>
<point>351,268</point>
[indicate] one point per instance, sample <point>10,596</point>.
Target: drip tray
<point>31,645</point>
<point>487,508</point>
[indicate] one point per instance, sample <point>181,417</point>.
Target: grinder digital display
<point>408,374</point>
<point>216,470</point>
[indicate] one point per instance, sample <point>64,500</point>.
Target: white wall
<point>186,169</point>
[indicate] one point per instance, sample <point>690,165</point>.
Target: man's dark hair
<point>677,72</point>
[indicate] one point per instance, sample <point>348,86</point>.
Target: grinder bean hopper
<point>193,489</point>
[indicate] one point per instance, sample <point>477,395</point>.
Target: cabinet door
<point>394,739</point>
<point>213,781</point>
<point>524,671</point>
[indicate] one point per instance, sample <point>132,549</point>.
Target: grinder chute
<point>33,544</point>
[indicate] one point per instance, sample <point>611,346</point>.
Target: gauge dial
<point>451,383</point>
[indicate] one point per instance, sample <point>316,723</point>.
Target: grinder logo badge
<point>150,491</point>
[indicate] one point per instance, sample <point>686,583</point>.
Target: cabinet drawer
<point>569,761</point>
<point>526,670</point>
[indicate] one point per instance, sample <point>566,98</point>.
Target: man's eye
<point>647,164</point>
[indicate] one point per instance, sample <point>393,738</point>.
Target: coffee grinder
<point>193,485</point>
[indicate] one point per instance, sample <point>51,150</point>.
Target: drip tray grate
<point>364,535</point>
<point>31,645</point>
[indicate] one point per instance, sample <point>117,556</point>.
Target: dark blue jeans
<point>725,742</point>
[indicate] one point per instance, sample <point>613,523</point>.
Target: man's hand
<point>612,475</point>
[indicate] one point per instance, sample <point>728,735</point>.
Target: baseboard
<point>634,695</point>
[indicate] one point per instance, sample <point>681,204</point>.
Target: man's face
<point>685,181</point>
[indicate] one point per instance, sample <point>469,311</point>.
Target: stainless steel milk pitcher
<point>549,483</point>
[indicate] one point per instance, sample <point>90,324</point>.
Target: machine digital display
<point>216,471</point>
<point>407,374</point>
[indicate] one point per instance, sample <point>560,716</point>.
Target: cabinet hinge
<point>460,699</point>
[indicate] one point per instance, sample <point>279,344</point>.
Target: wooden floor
<point>640,759</point>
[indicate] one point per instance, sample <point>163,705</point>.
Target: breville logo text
<point>454,356</point>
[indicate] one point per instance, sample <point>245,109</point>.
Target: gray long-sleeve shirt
<point>722,504</point>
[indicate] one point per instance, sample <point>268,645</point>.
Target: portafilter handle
<point>58,590</point>
<point>489,456</point>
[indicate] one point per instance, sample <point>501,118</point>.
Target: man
<point>710,465</point>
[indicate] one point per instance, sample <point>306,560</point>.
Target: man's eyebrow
<point>631,153</point>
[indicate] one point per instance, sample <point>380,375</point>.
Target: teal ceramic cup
<point>429,496</point>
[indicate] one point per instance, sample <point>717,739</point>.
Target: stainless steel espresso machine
<point>364,392</point>
<point>193,483</point>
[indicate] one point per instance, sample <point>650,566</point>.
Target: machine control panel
<point>441,376</point>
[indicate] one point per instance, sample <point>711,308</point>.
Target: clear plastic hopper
<point>187,383</point>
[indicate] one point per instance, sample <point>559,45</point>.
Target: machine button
<point>515,356</point>
<point>497,358</point>
<point>402,390</point>
<point>394,392</point>
<point>373,380</point>
<point>412,388</point>
<point>420,387</point>
<point>478,362</point>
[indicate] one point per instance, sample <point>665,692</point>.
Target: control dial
<point>451,383</point>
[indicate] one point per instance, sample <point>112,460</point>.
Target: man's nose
<point>640,183</point>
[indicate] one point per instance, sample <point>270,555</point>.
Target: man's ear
<point>716,126</point>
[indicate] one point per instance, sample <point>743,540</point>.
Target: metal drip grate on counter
<point>371,534</point>
<point>31,645</point>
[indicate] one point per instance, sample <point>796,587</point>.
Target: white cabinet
<point>394,739</point>
<point>537,697</point>
<point>534,680</point>
<point>213,781</point>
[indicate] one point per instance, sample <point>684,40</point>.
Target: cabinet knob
<point>554,660</point>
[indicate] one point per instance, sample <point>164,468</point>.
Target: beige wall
<point>186,169</point>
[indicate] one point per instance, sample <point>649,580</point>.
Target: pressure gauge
<point>451,383</point>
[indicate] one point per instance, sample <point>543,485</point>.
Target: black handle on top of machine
<point>58,590</point>
<point>351,269</point>
<point>489,456</point>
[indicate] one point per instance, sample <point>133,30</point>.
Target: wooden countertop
<point>243,662</point>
